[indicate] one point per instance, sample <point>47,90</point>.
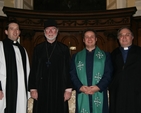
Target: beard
<point>51,38</point>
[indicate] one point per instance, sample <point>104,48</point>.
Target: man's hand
<point>67,95</point>
<point>34,94</point>
<point>1,95</point>
<point>89,89</point>
<point>93,89</point>
<point>85,89</point>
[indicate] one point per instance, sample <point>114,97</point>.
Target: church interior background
<point>69,5</point>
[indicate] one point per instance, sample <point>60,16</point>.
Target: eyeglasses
<point>124,35</point>
<point>51,29</point>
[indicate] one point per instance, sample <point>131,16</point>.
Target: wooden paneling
<point>136,27</point>
<point>2,27</point>
<point>71,26</point>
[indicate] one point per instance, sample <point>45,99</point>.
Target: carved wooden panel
<point>72,39</point>
<point>136,27</point>
<point>71,25</point>
<point>2,27</point>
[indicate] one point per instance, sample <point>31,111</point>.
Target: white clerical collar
<point>125,48</point>
<point>14,42</point>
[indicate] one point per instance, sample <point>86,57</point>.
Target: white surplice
<point>21,94</point>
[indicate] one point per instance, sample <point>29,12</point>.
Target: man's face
<point>51,33</point>
<point>90,39</point>
<point>13,31</point>
<point>125,37</point>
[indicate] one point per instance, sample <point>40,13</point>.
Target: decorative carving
<point>100,39</point>
<point>38,23</point>
<point>27,34</point>
<point>39,39</point>
<point>111,34</point>
<point>94,22</point>
<point>74,21</point>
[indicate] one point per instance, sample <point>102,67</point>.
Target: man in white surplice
<point>14,71</point>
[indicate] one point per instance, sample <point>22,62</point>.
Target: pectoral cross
<point>48,63</point>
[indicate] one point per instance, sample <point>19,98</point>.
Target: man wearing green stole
<point>91,71</point>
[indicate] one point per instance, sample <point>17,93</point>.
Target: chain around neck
<point>49,56</point>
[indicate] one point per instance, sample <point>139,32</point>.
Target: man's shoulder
<point>136,47</point>
<point>115,50</point>
<point>40,45</point>
<point>62,46</point>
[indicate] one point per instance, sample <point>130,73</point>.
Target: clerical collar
<point>11,41</point>
<point>90,51</point>
<point>126,48</point>
<point>14,42</point>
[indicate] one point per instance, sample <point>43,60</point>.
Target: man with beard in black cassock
<point>49,81</point>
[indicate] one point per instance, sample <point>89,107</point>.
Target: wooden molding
<point>68,21</point>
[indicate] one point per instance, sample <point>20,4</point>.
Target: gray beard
<point>50,39</point>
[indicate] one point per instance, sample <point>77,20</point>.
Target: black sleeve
<point>104,82</point>
<point>0,86</point>
<point>33,71</point>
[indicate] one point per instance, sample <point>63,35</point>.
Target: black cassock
<point>125,88</point>
<point>50,77</point>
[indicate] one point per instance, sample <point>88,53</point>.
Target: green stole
<point>98,63</point>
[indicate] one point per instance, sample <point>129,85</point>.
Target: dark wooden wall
<point>2,27</point>
<point>136,27</point>
<point>69,5</point>
<point>71,25</point>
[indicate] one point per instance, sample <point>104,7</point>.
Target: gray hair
<point>125,27</point>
